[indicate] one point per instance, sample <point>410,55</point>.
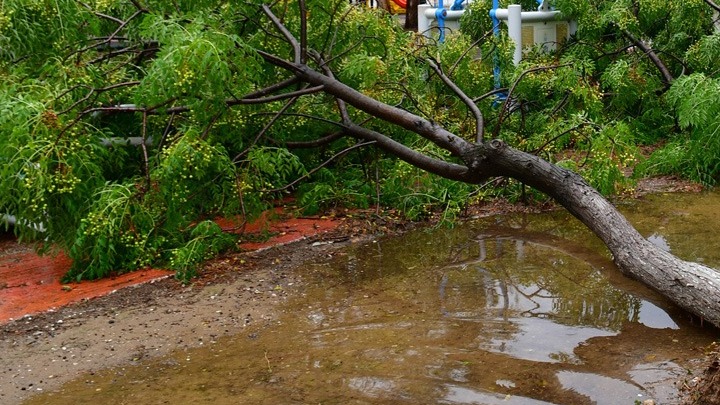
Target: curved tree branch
<point>479,123</point>
<point>429,130</point>
<point>297,50</point>
<point>442,168</point>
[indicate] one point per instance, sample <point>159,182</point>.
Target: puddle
<point>508,310</point>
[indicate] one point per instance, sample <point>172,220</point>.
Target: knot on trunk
<point>497,144</point>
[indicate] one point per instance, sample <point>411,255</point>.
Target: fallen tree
<point>692,286</point>
<point>213,99</point>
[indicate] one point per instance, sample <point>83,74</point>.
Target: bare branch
<point>269,99</point>
<point>342,107</point>
<point>139,6</point>
<point>665,75</point>
<point>330,42</point>
<point>110,38</point>
<point>166,132</point>
<point>273,88</point>
<point>250,99</point>
<point>101,15</point>
<point>479,122</point>
<point>286,33</point>
<point>469,48</point>
<point>713,5</point>
<point>146,163</point>
<point>558,136</point>
<point>489,94</point>
<point>303,31</point>
<point>267,127</point>
<point>429,130</point>
<point>442,168</point>
<point>126,22</point>
<point>138,49</point>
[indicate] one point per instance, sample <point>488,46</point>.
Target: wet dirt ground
<point>46,349</point>
<point>237,294</point>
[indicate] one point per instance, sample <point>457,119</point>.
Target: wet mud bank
<point>41,352</point>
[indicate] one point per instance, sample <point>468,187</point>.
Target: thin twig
<point>268,362</point>
<point>469,48</point>
<point>270,99</point>
<point>325,140</point>
<point>267,127</point>
<point>101,15</point>
<point>303,31</point>
<point>272,88</point>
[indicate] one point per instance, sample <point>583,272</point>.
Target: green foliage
<point>703,55</point>
<point>329,189</point>
<point>206,240</point>
<point>116,234</point>
<point>79,76</point>
<point>695,153</point>
<point>269,168</point>
<point>419,194</point>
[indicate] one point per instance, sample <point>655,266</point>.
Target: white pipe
<point>514,22</point>
<point>452,15</point>
<point>423,21</point>
<point>529,16</point>
<point>426,15</point>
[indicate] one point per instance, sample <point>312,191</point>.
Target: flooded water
<point>509,310</point>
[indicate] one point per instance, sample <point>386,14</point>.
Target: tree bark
<point>411,15</point>
<point>693,287</point>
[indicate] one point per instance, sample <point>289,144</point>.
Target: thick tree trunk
<point>691,286</point>
<point>411,15</point>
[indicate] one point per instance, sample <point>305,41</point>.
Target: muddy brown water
<point>524,309</point>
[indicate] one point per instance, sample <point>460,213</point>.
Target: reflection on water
<point>461,395</point>
<point>543,340</point>
<point>600,389</point>
<point>510,310</point>
<point>653,317</point>
<point>659,241</point>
